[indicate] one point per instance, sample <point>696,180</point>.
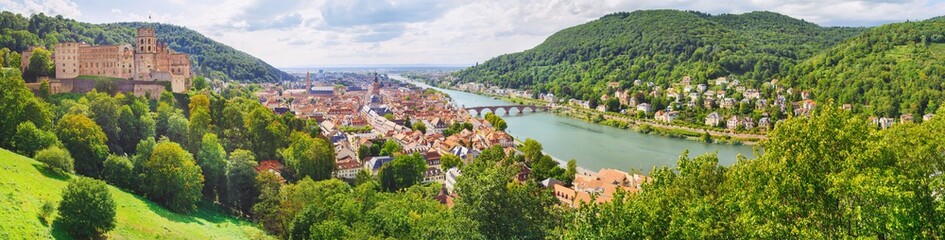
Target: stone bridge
<point>508,109</point>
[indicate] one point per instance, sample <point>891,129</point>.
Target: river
<point>595,146</point>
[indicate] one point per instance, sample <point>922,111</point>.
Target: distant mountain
<point>893,69</point>
<point>660,46</point>
<point>207,56</point>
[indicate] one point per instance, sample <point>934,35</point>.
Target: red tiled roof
<point>271,165</point>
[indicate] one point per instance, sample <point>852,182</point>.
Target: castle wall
<point>67,60</point>
<point>100,61</point>
<point>146,60</point>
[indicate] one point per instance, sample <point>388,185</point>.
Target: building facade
<point>146,60</point>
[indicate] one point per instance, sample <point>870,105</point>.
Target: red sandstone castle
<point>147,60</point>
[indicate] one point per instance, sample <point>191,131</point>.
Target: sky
<point>311,33</point>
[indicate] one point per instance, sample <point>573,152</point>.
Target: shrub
<point>29,139</point>
<point>119,171</point>
<point>87,209</point>
<point>56,159</point>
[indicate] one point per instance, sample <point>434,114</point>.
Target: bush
<point>119,171</point>
<point>29,139</point>
<point>56,159</point>
<point>87,209</point>
<point>46,211</point>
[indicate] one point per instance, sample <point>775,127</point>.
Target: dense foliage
<point>87,209</point>
<point>86,141</point>
<point>404,171</point>
<point>29,139</point>
<point>310,157</point>
<point>826,177</point>
<point>659,46</point>
<point>892,69</point>
<point>171,177</point>
<point>208,57</point>
<point>17,105</point>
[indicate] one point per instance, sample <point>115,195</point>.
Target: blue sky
<point>290,33</point>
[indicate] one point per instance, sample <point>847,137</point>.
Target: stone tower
<point>376,87</point>
<point>145,50</point>
<point>308,82</point>
<point>145,41</point>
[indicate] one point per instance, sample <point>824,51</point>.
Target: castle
<point>147,60</point>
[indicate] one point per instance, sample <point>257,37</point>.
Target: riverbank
<point>595,146</point>
<point>645,126</point>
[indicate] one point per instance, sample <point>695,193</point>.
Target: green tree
<point>450,161</point>
<point>390,148</point>
<point>87,209</point>
<point>363,176</point>
<point>266,210</point>
<point>266,133</point>
<point>309,157</point>
<point>200,83</point>
<point>119,171</point>
<point>85,140</point>
<point>568,176</point>
<point>199,123</point>
<point>105,111</point>
<point>404,171</point>
<point>41,64</point>
<point>213,161</point>
<point>142,154</point>
<point>419,126</point>
<point>18,105</point>
<point>613,105</point>
<point>532,150</point>
<point>43,91</point>
<point>13,60</point>
<point>241,180</point>
<point>56,159</point>
<point>502,210</point>
<point>171,178</point>
<point>134,128</point>
<point>177,130</point>
<point>29,139</point>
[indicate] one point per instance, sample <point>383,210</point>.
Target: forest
<point>888,70</point>
<point>208,57</point>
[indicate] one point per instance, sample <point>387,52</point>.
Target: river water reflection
<point>596,146</point>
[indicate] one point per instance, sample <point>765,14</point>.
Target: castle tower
<point>145,50</point>
<point>145,41</point>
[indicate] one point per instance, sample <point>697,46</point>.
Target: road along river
<point>595,146</point>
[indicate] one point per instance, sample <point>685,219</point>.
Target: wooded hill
<point>209,58</point>
<point>662,46</point>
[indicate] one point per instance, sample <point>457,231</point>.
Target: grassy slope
<point>25,185</point>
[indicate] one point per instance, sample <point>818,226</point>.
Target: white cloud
<point>66,8</point>
<point>329,32</point>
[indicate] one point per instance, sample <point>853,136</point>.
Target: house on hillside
<point>644,107</point>
<point>713,119</point>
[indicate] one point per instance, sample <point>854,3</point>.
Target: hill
<point>659,46</point>
<point>209,58</point>
<point>891,70</point>
<point>25,185</point>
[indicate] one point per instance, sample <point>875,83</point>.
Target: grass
<point>25,185</point>
<point>935,52</point>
